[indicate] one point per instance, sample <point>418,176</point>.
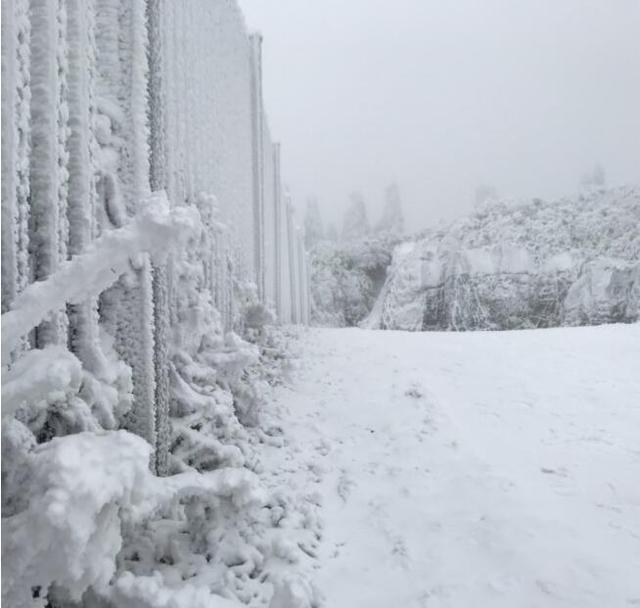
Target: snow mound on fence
<point>69,534</point>
<point>78,498</point>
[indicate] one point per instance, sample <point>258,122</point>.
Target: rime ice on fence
<point>16,97</point>
<point>105,102</point>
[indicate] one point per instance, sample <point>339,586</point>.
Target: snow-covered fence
<point>105,101</point>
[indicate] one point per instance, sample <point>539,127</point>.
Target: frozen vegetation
<point>508,265</point>
<point>511,266</point>
<point>347,273</point>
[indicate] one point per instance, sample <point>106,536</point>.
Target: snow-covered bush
<point>346,278</point>
<point>85,515</point>
<point>348,273</point>
<point>510,266</point>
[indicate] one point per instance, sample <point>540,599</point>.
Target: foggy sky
<point>523,95</point>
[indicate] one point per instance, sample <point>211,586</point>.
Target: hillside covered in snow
<point>510,266</point>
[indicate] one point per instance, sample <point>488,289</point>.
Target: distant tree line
<point>355,224</point>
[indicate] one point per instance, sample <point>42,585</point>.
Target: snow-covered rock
<point>346,278</point>
<point>533,265</point>
<point>607,290</point>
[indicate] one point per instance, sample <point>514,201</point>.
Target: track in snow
<point>478,469</point>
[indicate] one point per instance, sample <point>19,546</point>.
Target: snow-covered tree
<point>313,230</point>
<point>392,220</point>
<point>356,221</point>
<point>594,177</point>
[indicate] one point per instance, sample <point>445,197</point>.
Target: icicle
<point>291,248</point>
<point>255,42</point>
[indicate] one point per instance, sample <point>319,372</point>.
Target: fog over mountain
<point>444,97</point>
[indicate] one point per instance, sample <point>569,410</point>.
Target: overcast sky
<point>443,96</point>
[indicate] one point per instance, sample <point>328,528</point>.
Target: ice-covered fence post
<point>156,109</point>
<point>296,269</point>
<point>127,308</point>
<point>301,277</point>
<point>277,216</point>
<point>82,149</point>
<point>16,96</point>
<point>222,286</point>
<point>287,311</point>
<point>298,272</point>
<point>160,288</point>
<point>48,159</point>
<point>269,215</point>
<point>161,367</point>
<point>292,259</point>
<point>307,288</point>
<point>255,41</point>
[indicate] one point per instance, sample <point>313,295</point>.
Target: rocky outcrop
<point>606,291</point>
<point>511,267</point>
<point>346,279</point>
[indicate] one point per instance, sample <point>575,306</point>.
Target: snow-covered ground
<point>477,469</point>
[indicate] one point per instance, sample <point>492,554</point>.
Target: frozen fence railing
<point>106,288</point>
<point>103,102</point>
<point>156,230</point>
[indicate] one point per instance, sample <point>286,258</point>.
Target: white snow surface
<point>475,469</point>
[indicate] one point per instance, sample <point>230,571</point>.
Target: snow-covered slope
<point>570,262</point>
<point>470,469</point>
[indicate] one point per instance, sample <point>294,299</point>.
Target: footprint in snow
<point>345,485</point>
<point>393,471</point>
<point>560,471</point>
<point>317,470</point>
<point>400,552</point>
<point>415,392</point>
<point>323,447</point>
<point>427,429</point>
